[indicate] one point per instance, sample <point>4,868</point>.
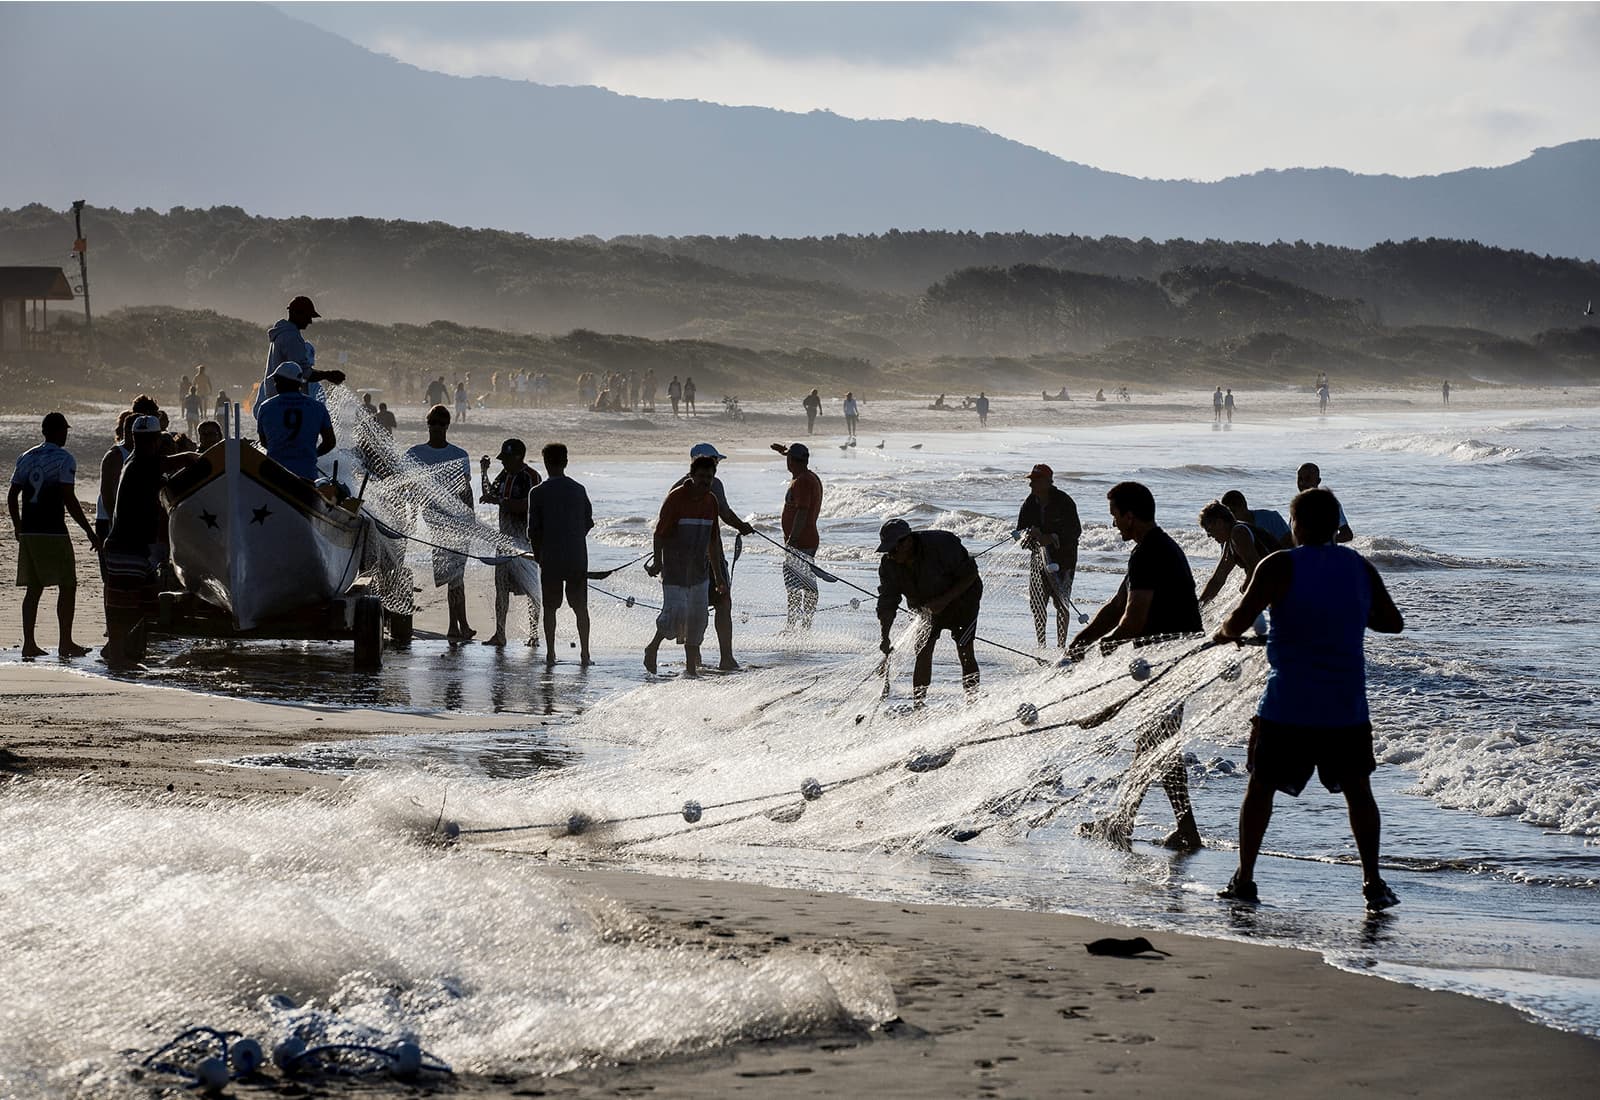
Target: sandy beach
<point>992,1002</point>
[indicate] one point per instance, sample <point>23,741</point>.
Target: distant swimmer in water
<point>684,532</point>
<point>1049,518</point>
<point>1240,547</point>
<point>1309,476</point>
<point>1156,597</point>
<point>937,577</point>
<point>1313,714</point>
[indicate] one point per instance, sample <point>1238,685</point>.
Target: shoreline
<point>991,1001</point>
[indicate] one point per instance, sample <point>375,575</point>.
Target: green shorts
<point>46,561</point>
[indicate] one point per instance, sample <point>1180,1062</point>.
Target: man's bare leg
<point>651,650</point>
<point>66,607</point>
<point>502,605</point>
<point>30,619</point>
<point>691,660</point>
<point>724,624</point>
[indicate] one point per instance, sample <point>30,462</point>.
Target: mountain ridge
<point>248,106</point>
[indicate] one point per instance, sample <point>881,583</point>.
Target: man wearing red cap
<point>1050,526</point>
<point>286,344</point>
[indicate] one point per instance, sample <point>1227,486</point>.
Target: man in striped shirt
<point>683,538</point>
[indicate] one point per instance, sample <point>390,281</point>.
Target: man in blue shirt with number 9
<point>294,428</point>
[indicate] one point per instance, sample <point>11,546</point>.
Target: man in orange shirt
<point>684,534</point>
<point>801,506</point>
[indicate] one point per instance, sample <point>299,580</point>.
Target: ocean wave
<point>1438,445</point>
<point>1400,555</point>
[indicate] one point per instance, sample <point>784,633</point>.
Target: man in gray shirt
<point>559,520</point>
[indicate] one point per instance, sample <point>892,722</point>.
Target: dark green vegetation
<point>1021,308</point>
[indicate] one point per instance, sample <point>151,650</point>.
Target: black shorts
<point>719,575</point>
<point>1284,755</point>
<point>553,585</point>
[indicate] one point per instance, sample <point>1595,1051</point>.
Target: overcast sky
<point>1195,91</point>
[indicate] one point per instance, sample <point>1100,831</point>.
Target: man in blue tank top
<point>1313,715</point>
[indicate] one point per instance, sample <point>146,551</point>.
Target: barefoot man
<point>1157,597</point>
<point>1313,715</point>
<point>684,533</point>
<point>560,518</point>
<point>42,485</point>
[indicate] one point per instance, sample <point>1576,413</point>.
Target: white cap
<point>144,425</point>
<point>291,371</point>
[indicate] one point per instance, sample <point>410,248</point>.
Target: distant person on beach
<point>982,405</point>
<point>688,396</point>
<point>720,590</point>
<point>683,536</point>
<point>223,412</point>
<point>462,402</point>
<point>560,518</point>
<point>183,389</point>
<point>286,343</point>
<point>437,393</point>
<point>674,393</point>
<point>1445,389</point>
<point>449,566</point>
<point>202,382</point>
<point>813,406</point>
<point>852,414</point>
<point>192,411</point>
<point>386,418</point>
<point>1313,714</point>
<point>508,492</point>
<point>1216,406</point>
<point>1049,518</point>
<point>1100,394</point>
<point>1227,404</point>
<point>133,553</point>
<point>1309,476</point>
<point>295,429</point>
<point>1322,397</point>
<point>938,403</point>
<point>1156,598</point>
<point>40,500</point>
<point>802,504</point>
<point>1266,521</point>
<point>1240,547</point>
<point>936,576</point>
<point>650,390</point>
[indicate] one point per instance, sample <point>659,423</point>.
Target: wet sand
<point>992,1002</point>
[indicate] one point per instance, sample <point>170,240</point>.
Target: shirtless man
<point>1240,547</point>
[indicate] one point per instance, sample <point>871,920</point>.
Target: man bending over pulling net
<point>938,578</point>
<point>1157,597</point>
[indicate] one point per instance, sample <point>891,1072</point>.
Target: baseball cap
<point>703,450</point>
<point>800,451</point>
<point>145,425</point>
<point>288,370</point>
<point>891,533</point>
<point>513,447</point>
<point>302,301</point>
<point>1041,470</point>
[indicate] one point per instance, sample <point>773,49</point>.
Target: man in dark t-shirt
<point>560,518</point>
<point>1157,597</point>
<point>1049,519</point>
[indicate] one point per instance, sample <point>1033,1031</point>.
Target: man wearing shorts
<point>509,493</point>
<point>684,534</point>
<point>449,566</point>
<point>720,590</point>
<point>1313,714</point>
<point>42,486</point>
<point>1049,519</point>
<point>1156,598</point>
<point>936,576</point>
<point>802,503</point>
<point>559,520</point>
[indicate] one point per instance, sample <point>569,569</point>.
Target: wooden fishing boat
<point>257,542</point>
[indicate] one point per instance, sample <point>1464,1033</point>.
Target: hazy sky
<point>1194,91</point>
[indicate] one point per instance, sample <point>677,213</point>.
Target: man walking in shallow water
<point>1313,714</point>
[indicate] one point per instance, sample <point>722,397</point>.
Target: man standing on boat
<point>449,566</point>
<point>295,429</point>
<point>560,518</point>
<point>509,492</point>
<point>42,486</point>
<point>287,344</point>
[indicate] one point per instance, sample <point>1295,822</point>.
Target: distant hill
<point>209,104</point>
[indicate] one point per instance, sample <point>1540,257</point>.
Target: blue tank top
<point>1315,640</point>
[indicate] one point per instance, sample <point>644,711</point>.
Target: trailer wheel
<point>399,628</point>
<point>368,629</point>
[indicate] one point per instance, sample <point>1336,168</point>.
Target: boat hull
<point>251,538</point>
